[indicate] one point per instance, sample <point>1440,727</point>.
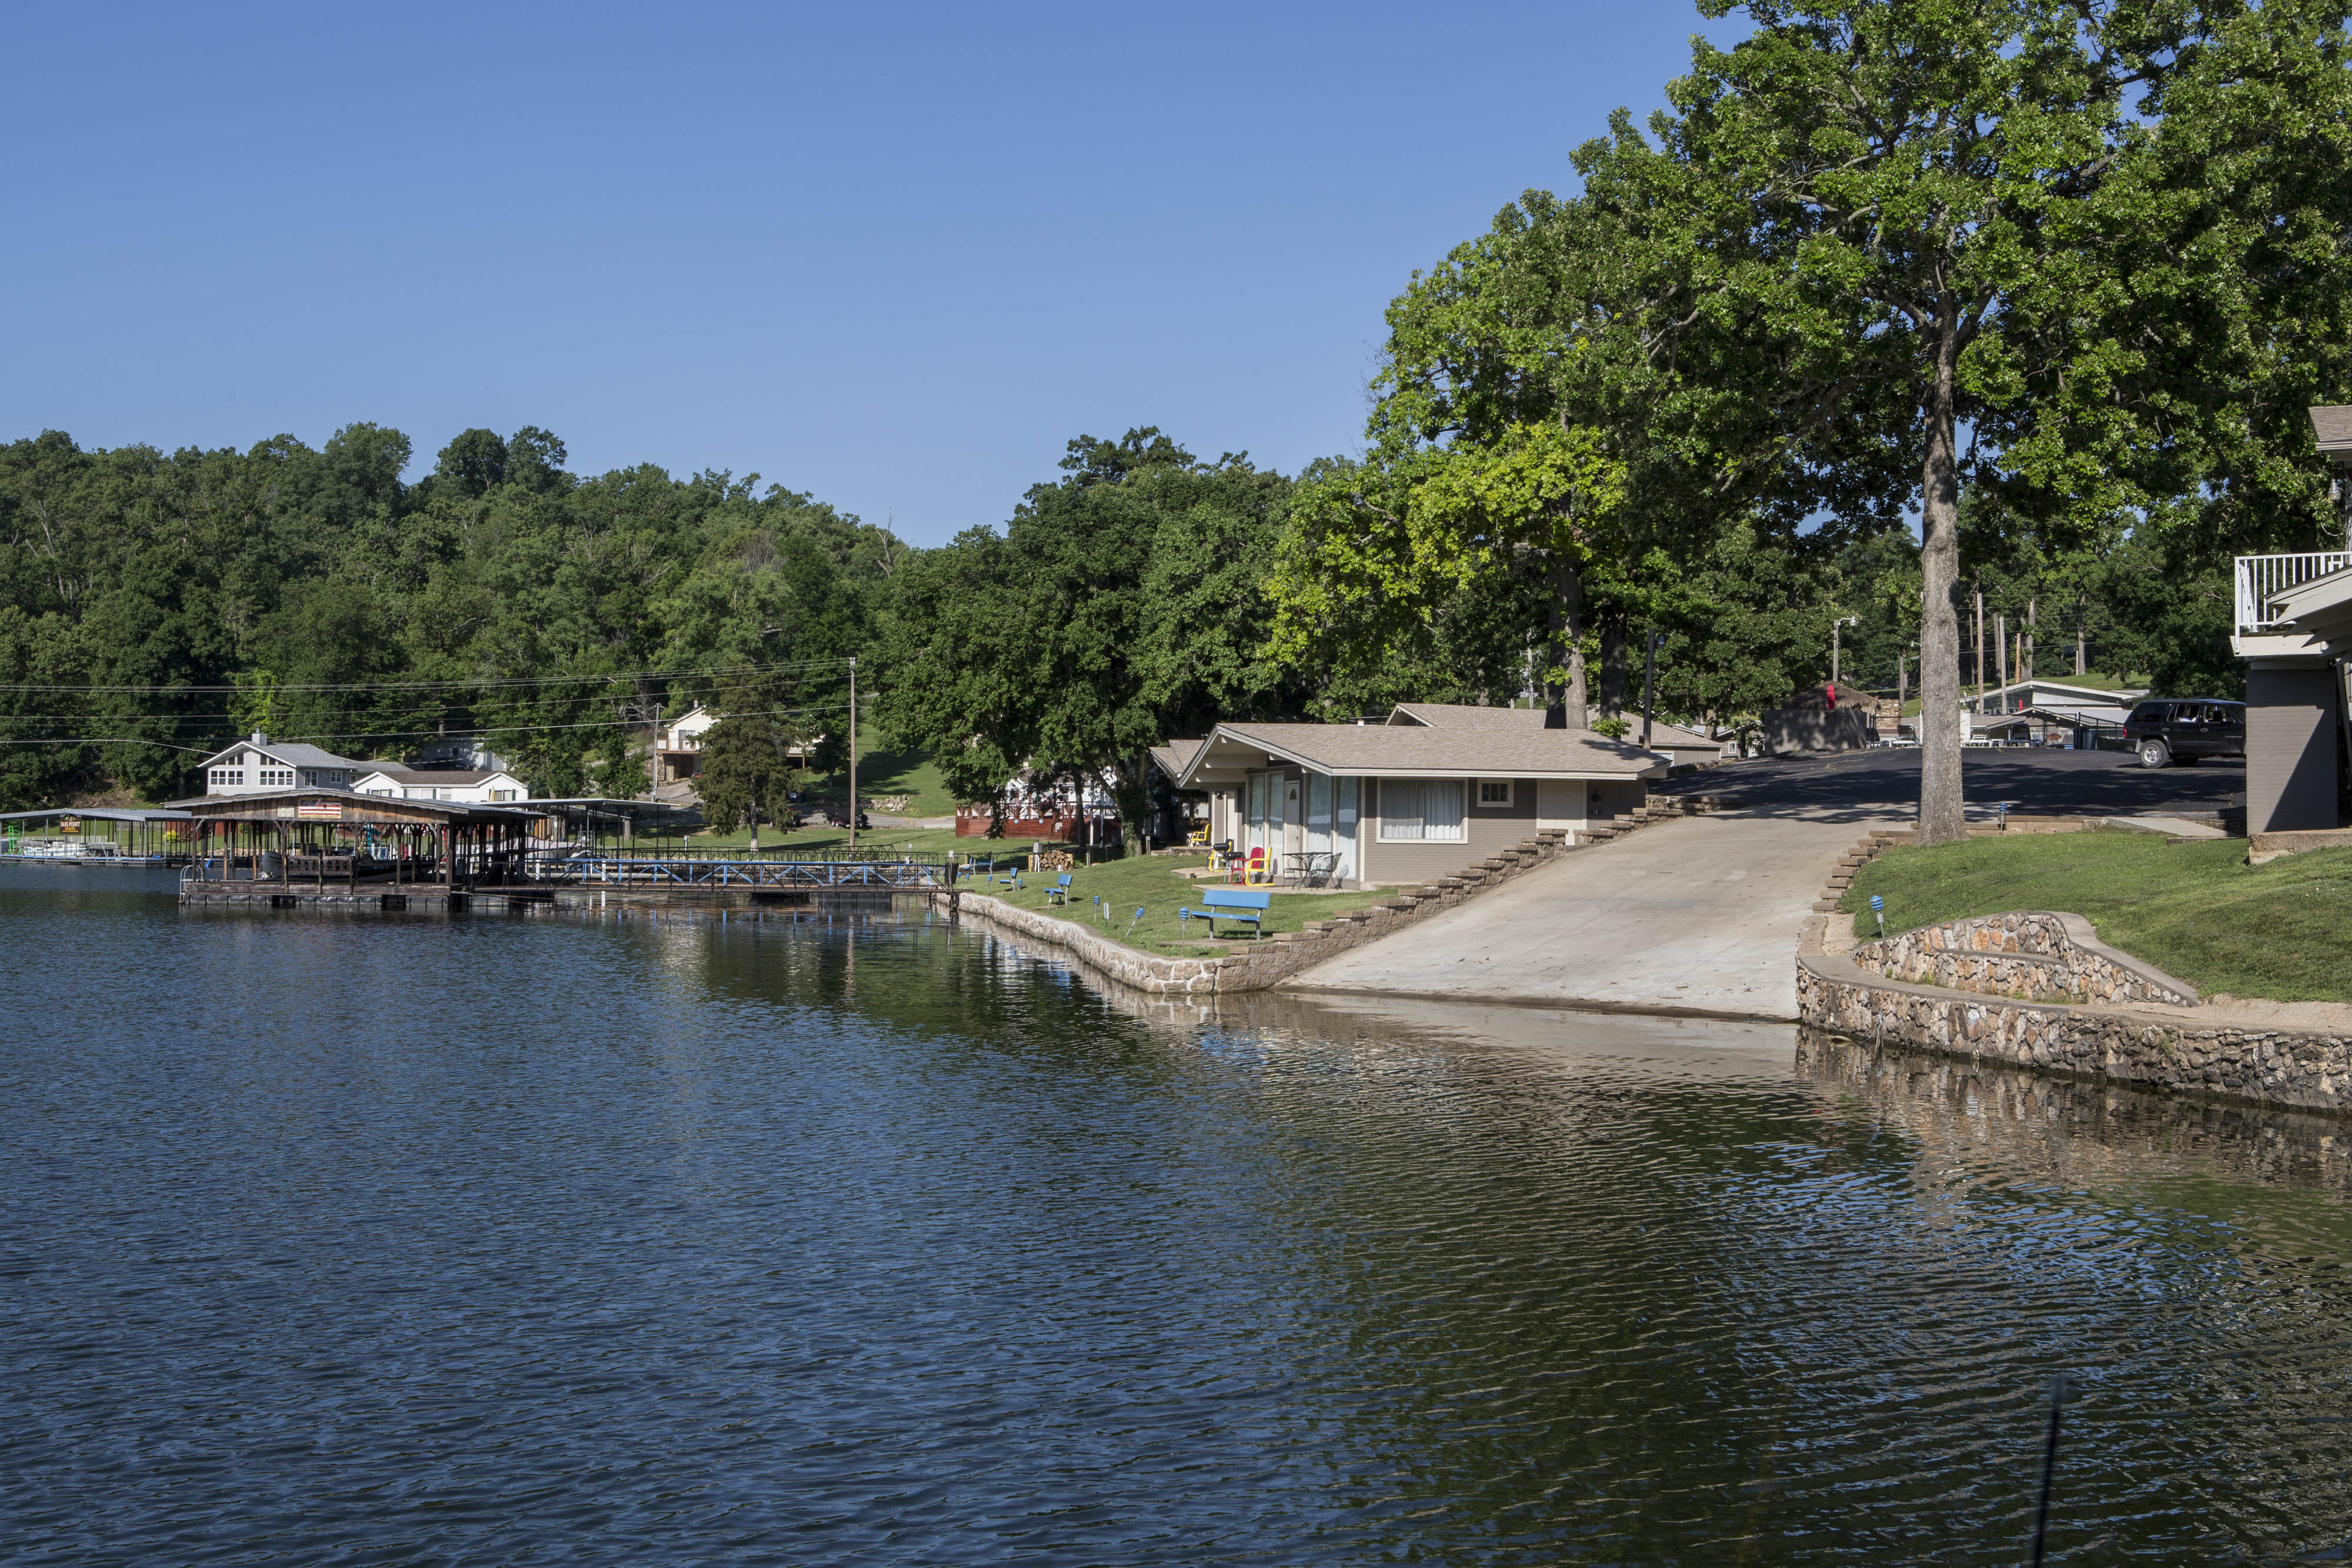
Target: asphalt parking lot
<point>2036,781</point>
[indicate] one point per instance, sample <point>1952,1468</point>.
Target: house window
<point>228,776</point>
<point>1417,810</point>
<point>1494,791</point>
<point>501,794</point>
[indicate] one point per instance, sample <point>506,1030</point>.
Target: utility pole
<point>1979,647</point>
<point>2025,665</point>
<point>1835,625</point>
<point>1649,682</point>
<point>853,754</point>
<point>2000,652</point>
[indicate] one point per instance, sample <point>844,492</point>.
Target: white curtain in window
<point>1421,808</point>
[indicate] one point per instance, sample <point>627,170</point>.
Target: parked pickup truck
<point>2166,730</point>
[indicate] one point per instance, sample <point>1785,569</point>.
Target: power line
<point>493,684</point>
<point>408,734</point>
<point>208,717</point>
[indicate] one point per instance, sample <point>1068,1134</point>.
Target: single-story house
<point>1433,789</point>
<point>471,785</point>
<point>1679,745</point>
<point>257,763</point>
<point>1177,810</point>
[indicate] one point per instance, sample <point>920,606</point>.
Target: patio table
<point>1311,868</point>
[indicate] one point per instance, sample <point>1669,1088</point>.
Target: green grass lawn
<point>1151,882</point>
<point>887,767</point>
<point>2195,910</point>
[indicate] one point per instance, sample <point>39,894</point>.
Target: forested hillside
<point>152,606</point>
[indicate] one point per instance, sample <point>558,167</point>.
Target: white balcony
<point>2262,578</point>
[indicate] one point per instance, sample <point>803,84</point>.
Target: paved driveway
<point>2042,780</point>
<point>1699,914</point>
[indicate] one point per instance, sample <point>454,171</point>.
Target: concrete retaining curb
<point>1257,965</point>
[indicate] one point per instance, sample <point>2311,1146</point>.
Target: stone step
<point>1825,906</point>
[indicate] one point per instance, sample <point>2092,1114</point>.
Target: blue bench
<point>1060,891</point>
<point>1243,906</point>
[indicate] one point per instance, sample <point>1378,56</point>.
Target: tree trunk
<point>1564,700</point>
<point>1132,787</point>
<point>1942,811</point>
<point>2082,650</point>
<point>1613,675</point>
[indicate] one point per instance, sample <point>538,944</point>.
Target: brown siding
<point>1488,830</point>
<point>2290,751</point>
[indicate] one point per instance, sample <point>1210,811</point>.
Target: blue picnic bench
<point>1060,891</point>
<point>1245,905</point>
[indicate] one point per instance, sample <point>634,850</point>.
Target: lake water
<point>565,1240</point>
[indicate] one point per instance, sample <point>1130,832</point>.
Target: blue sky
<point>894,257</point>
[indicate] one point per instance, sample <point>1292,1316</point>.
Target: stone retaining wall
<point>2173,1050</point>
<point>2024,956</point>
<point>1256,966</point>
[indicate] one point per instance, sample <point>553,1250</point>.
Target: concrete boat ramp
<point>1694,915</point>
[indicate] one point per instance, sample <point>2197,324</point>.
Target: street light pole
<point>1649,683</point>
<point>1835,625</point>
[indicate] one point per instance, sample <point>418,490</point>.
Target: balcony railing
<point>2262,578</point>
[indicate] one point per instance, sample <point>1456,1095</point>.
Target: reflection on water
<point>343,1238</point>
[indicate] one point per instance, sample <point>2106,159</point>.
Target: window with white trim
<point>1494,791</point>
<point>1415,810</point>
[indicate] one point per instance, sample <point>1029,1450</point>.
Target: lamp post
<point>1835,625</point>
<point>1650,681</point>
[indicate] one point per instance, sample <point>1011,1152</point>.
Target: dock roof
<point>101,813</point>
<point>311,805</point>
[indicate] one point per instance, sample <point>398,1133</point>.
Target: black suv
<point>2165,730</point>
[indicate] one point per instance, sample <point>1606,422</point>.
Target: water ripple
<point>404,1240</point>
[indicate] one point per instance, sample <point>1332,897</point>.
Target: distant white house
<point>258,764</point>
<point>678,745</point>
<point>490,787</point>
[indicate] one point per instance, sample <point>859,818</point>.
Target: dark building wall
<point>2290,750</point>
<point>1788,729</point>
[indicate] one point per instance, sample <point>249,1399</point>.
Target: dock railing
<point>2262,578</point>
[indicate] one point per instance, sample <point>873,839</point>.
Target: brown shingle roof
<point>1175,756</point>
<point>2332,423</point>
<point>1493,750</point>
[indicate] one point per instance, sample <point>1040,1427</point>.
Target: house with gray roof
<point>477,786</point>
<point>258,764</point>
<point>1434,788</point>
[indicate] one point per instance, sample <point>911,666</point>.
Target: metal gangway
<point>882,871</point>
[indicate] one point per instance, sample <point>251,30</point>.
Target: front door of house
<point>1294,822</point>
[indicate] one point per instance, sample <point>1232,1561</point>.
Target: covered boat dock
<point>109,835</point>
<point>302,845</point>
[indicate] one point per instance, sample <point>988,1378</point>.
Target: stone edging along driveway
<point>1259,966</point>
